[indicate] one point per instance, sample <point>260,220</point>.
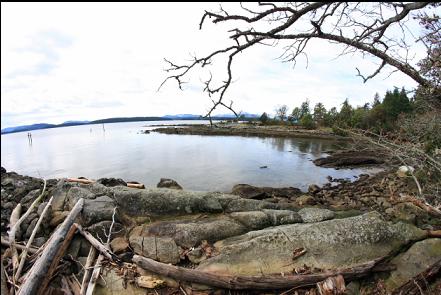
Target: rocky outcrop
<point>260,193</point>
<point>168,183</point>
<point>191,232</point>
<point>329,244</point>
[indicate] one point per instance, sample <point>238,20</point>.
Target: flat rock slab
<point>418,258</point>
<point>329,244</point>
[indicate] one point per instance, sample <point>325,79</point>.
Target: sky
<point>87,61</point>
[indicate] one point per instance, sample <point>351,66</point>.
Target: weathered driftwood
<point>55,261</point>
<point>31,239</point>
<point>89,181</point>
<point>419,282</point>
<point>80,180</point>
<point>88,270</point>
<point>95,275</point>
<point>5,242</point>
<point>98,245</point>
<point>136,185</point>
<point>266,282</point>
<point>39,270</point>
<point>15,217</point>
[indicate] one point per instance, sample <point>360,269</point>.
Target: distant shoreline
<point>40,126</point>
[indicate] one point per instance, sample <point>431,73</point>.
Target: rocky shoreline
<point>250,232</point>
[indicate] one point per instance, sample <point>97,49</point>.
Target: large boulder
<point>99,209</point>
<point>329,244</point>
<point>418,258</point>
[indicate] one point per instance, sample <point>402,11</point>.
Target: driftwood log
<point>39,270</point>
<point>31,239</point>
<point>266,282</point>
<point>55,261</point>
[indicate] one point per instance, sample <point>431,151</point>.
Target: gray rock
<point>60,194</point>
<point>119,245</point>
<point>74,194</point>
<point>31,228</point>
<point>158,248</point>
<point>99,209</point>
<point>418,258</point>
<point>168,183</point>
<point>315,214</point>
<point>330,244</point>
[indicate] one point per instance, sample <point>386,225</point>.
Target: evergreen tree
<point>304,109</point>
<point>345,115</point>
<point>319,114</point>
<point>264,118</point>
<point>295,115</point>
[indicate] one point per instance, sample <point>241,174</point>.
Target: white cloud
<point>84,61</point>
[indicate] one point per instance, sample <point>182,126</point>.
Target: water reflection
<point>196,162</point>
<point>315,147</point>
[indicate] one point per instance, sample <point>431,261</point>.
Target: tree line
<point>378,115</point>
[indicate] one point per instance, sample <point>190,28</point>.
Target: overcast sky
<point>86,61</point>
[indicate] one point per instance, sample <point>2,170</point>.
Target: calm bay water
<point>210,163</point>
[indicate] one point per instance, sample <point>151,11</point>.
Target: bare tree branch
<point>361,27</point>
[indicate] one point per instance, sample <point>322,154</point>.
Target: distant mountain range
<point>121,119</point>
